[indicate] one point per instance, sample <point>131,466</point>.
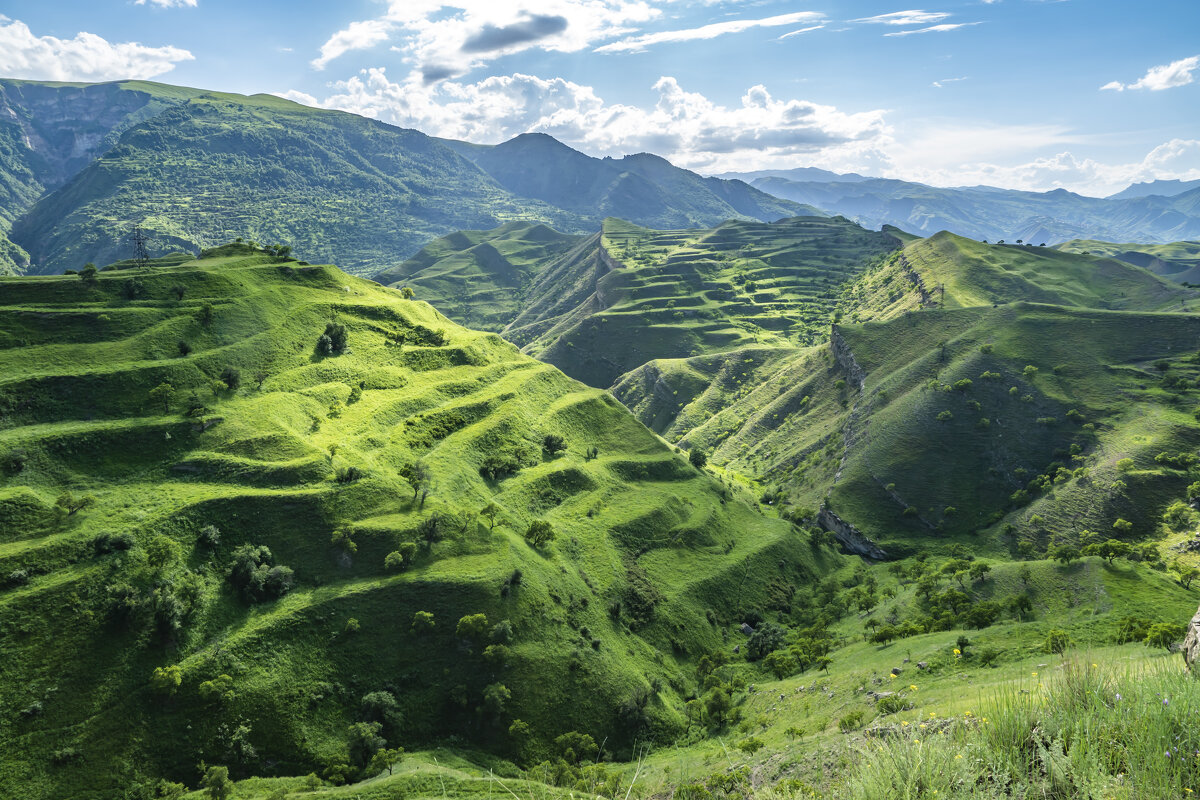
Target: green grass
<point>1178,261</point>
<point>78,363</point>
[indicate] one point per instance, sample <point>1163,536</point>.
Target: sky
<point>1087,95</point>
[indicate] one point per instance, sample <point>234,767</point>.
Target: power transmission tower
<point>140,255</point>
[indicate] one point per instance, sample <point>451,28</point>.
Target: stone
<point>1191,642</point>
<point>922,664</point>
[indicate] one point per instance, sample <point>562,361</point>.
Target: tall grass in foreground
<point>1084,733</point>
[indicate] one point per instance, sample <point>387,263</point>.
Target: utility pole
<point>140,255</point>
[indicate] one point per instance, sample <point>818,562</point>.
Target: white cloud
<point>167,3</point>
<point>443,39</point>
<point>790,34</point>
<point>357,36</point>
<point>1166,76</point>
<point>640,43</point>
<point>942,83</point>
<point>949,26</point>
<point>685,127</point>
<point>87,57</point>
<point>911,17</point>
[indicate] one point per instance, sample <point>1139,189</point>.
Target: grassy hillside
<point>1178,261</point>
<point>159,427</point>
<point>632,295</point>
<point>481,278</point>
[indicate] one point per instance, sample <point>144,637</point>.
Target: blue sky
<point>1083,94</point>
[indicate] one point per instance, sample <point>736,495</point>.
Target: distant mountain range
<point>81,164</point>
<point>1158,212</point>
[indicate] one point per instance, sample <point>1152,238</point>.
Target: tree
<point>768,638</point>
<point>979,570</point>
<point>72,505</point>
<point>781,663</point>
<point>1187,575</point>
<point>161,551</point>
<point>1123,525</point>
<point>204,315</point>
<point>1066,553</point>
<point>496,697</point>
<point>422,622</point>
<point>697,457</point>
<point>386,758</point>
<point>490,511</point>
<point>1057,641</point>
<point>166,680</point>
<point>539,533</point>
<point>232,376</point>
<point>1164,635</point>
<point>88,273</point>
<point>553,444</point>
<point>417,476</point>
<point>179,290</point>
<point>259,377</point>
<point>216,782</point>
<point>1109,550</point>
<point>163,394</point>
<point>575,747</point>
<point>407,293</point>
<point>365,742</point>
<point>1020,605</point>
<point>473,627</point>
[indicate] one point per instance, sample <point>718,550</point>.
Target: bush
<point>851,721</point>
<point>232,377</point>
<point>209,536</point>
<point>333,341</point>
<point>553,444</point>
<point>768,638</point>
<point>1057,641</point>
<point>697,457</point>
<point>422,622</point>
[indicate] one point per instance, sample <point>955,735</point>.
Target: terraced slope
<point>481,278</point>
<point>132,515</point>
<point>630,294</point>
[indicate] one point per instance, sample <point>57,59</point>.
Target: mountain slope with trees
<point>271,517</point>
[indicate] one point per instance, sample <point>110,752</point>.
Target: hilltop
<point>267,515</point>
<point>1177,261</point>
<point>81,164</point>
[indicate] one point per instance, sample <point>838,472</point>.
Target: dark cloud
<point>432,73</point>
<point>492,37</point>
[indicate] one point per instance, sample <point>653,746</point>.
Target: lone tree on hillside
<point>72,505</point>
<point>697,457</point>
<point>539,533</point>
<point>553,444</point>
<point>490,511</point>
<point>163,393</point>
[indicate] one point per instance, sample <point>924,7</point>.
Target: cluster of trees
<point>253,575</point>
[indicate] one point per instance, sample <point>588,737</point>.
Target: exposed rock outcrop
<point>1191,642</point>
<point>849,536</point>
<point>855,374</point>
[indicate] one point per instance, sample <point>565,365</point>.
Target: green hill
<point>81,164</point>
<point>630,294</point>
<point>160,427</point>
<point>481,278</point>
<point>1178,261</point>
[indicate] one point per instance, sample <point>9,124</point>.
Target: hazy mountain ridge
<point>984,212</point>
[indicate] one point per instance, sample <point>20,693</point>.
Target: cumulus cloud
<point>356,36</point>
<point>87,57</point>
<point>640,43</point>
<point>443,40</point>
<point>167,3</point>
<point>911,17</point>
<point>686,127</point>
<point>1166,76</point>
<point>948,26</point>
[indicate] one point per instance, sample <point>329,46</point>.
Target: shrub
<point>333,341</point>
<point>422,622</point>
<point>1164,635</point>
<point>944,416</point>
<point>185,349</point>
<point>697,457</point>
<point>751,745</point>
<point>1057,641</point>
<point>851,721</point>
<point>232,377</point>
<point>891,704</point>
<point>209,536</point>
<point>553,444</point>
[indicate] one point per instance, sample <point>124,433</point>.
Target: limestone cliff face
<point>1191,642</point>
<point>850,537</point>
<point>845,359</point>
